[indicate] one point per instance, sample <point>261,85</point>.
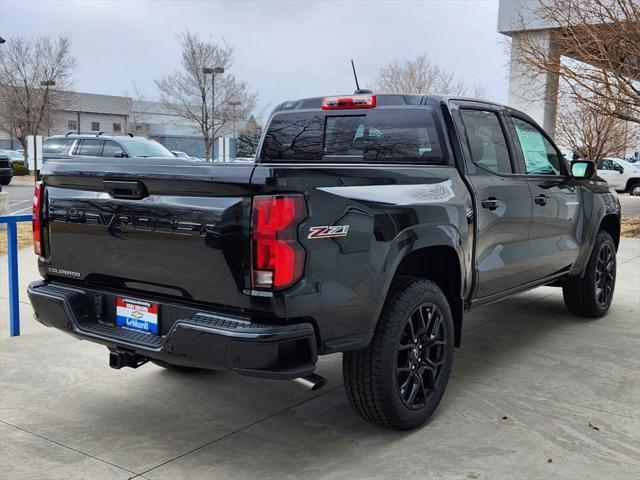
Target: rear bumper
<point>192,337</point>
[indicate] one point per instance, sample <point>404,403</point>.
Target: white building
<point>110,114</point>
<point>535,94</point>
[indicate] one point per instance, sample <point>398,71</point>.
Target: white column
<point>535,93</point>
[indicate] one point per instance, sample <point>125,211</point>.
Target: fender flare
<point>422,237</point>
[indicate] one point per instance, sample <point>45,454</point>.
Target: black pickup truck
<point>368,225</point>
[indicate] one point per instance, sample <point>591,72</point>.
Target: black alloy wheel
<point>421,355</point>
<point>605,274</point>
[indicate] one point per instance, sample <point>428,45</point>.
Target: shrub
<point>19,170</point>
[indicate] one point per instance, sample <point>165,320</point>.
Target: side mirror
<point>618,168</point>
<point>120,154</point>
<point>583,169</point>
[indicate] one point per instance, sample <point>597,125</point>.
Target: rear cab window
<point>389,135</point>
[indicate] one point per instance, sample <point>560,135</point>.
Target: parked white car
<point>621,175</point>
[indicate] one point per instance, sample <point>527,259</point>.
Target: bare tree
<point>590,133</point>
<point>28,70</point>
<point>600,42</point>
<point>136,125</point>
<point>187,92</point>
<point>419,75</point>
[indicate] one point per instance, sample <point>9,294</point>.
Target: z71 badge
<point>328,231</point>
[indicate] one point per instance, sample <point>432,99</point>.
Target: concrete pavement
<point>535,393</point>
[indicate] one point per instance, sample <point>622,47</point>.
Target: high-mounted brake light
<point>347,102</point>
<point>37,226</point>
<point>278,258</point>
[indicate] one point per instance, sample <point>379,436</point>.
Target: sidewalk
<point>535,393</point>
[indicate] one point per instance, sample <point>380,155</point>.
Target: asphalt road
<point>20,196</point>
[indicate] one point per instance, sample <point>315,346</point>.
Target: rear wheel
<point>635,189</point>
<point>5,180</point>
<point>399,379</point>
<point>592,294</point>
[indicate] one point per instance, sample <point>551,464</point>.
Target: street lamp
<point>46,84</point>
<point>212,71</point>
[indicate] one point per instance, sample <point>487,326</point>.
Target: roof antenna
<point>358,90</point>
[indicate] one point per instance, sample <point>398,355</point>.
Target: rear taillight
<point>37,225</point>
<point>347,102</point>
<point>278,258</point>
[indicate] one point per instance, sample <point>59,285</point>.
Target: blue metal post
<point>14,296</point>
<point>14,293</point>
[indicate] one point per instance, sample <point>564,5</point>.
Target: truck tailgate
<point>180,229</point>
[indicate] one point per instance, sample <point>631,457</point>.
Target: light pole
<point>213,71</point>
<point>46,84</point>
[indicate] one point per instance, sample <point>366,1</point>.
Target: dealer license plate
<point>137,315</point>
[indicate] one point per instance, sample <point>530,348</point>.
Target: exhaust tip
<point>312,383</point>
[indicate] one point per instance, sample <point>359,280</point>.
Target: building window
<point>95,126</point>
<point>72,125</point>
<point>117,127</point>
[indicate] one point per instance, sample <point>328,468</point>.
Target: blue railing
<point>14,293</point>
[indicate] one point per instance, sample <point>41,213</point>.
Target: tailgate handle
<point>125,189</point>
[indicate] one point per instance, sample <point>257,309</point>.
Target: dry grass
<point>23,179</point>
<point>25,237</point>
<point>630,226</point>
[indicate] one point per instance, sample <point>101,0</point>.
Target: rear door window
<point>55,145</point>
<point>89,148</point>
<point>486,140</point>
<point>382,136</point>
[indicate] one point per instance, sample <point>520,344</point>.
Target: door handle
<point>541,200</point>
<point>490,203</point>
<point>125,189</point>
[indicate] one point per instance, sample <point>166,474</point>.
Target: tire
<point>634,189</point>
<point>176,368</point>
<point>5,180</point>
<point>379,380</point>
<point>591,294</point>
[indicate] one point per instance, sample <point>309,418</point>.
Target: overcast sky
<point>284,50</point>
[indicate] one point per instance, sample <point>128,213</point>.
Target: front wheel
<point>5,180</point>
<point>591,295</point>
<point>635,189</point>
<point>399,379</point>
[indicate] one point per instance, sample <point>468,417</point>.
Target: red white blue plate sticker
<point>137,315</point>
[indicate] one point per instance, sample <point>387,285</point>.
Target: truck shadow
<point>528,349</point>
